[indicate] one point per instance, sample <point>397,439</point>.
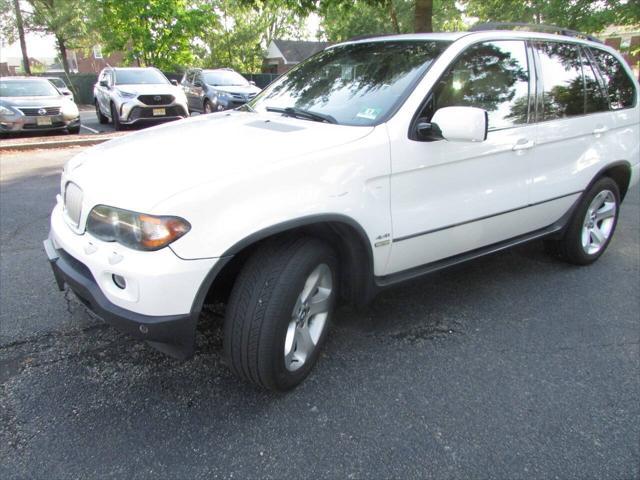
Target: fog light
<point>119,281</point>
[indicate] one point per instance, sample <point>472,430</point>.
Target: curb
<point>37,145</point>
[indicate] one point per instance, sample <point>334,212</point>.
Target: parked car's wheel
<point>103,119</point>
<point>75,129</point>
<point>115,118</point>
<point>279,312</point>
<point>591,228</point>
<point>208,108</point>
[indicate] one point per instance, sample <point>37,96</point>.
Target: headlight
<point>70,109</point>
<point>135,230</point>
<point>126,94</point>
<point>7,111</point>
<point>223,95</point>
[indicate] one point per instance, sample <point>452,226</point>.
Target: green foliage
<point>8,28</point>
<point>152,32</point>
<point>343,20</point>
<point>243,32</point>
<point>64,19</point>
<point>582,15</point>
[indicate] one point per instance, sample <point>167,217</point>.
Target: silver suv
<point>215,90</point>
<point>126,96</point>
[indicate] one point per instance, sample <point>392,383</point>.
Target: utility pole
<point>23,45</point>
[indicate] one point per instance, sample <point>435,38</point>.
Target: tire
<point>207,108</point>
<point>592,225</point>
<point>264,341</point>
<point>74,130</point>
<point>115,118</point>
<point>103,119</point>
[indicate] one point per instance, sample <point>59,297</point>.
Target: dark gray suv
<point>215,90</point>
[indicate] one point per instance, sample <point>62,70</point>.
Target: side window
<point>619,86</point>
<point>561,66</point>
<point>493,76</point>
<point>595,100</point>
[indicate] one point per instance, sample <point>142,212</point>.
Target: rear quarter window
<point>620,88</point>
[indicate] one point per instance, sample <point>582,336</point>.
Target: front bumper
<point>134,111</point>
<point>171,334</point>
<point>158,303</point>
<point>26,123</point>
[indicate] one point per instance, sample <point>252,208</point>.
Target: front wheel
<point>592,226</point>
<point>103,119</point>
<point>115,118</point>
<point>74,130</point>
<point>279,312</point>
<point>207,107</point>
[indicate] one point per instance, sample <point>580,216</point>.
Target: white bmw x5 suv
<point>371,163</point>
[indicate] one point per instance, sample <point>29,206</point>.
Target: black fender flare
<point>264,233</point>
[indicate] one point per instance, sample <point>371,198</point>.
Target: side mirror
<point>104,83</point>
<point>251,82</point>
<point>67,93</point>
<point>174,82</point>
<point>457,124</point>
<point>197,83</point>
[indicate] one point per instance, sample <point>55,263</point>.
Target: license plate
<point>158,112</point>
<point>42,121</point>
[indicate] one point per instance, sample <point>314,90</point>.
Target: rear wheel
<point>103,119</point>
<point>592,226</point>
<point>115,118</point>
<point>279,312</point>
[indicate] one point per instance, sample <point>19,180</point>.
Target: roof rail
<point>532,27</point>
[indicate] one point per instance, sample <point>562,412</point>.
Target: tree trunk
<point>424,16</point>
<point>23,45</point>
<point>63,54</point>
<point>394,16</point>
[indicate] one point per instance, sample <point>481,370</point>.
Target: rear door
<point>452,197</point>
<point>574,128</point>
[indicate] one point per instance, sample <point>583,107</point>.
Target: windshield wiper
<point>301,113</point>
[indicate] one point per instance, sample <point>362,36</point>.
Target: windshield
<point>27,88</point>
<point>224,79</point>
<point>356,84</point>
<point>139,77</point>
<point>57,82</point>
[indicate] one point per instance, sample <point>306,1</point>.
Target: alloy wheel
<point>309,318</point>
<point>599,222</point>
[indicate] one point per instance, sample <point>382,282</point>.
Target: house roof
<point>295,51</point>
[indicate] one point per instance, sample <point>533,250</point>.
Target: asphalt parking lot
<point>512,366</point>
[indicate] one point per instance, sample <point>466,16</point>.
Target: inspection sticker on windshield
<point>369,113</point>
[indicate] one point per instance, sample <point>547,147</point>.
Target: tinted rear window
<point>619,86</point>
<point>564,93</point>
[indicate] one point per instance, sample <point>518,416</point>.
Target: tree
<point>64,19</point>
<point>343,20</point>
<point>152,32</point>
<point>424,11</point>
<point>26,64</point>
<point>582,15</point>
<point>243,32</point>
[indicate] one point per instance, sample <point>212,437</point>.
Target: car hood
<point>149,89</point>
<point>242,89</point>
<point>139,170</point>
<point>54,101</point>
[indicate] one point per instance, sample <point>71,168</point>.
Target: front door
<point>453,197</point>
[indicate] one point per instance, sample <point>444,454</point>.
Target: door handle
<point>523,144</point>
<point>599,130</point>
